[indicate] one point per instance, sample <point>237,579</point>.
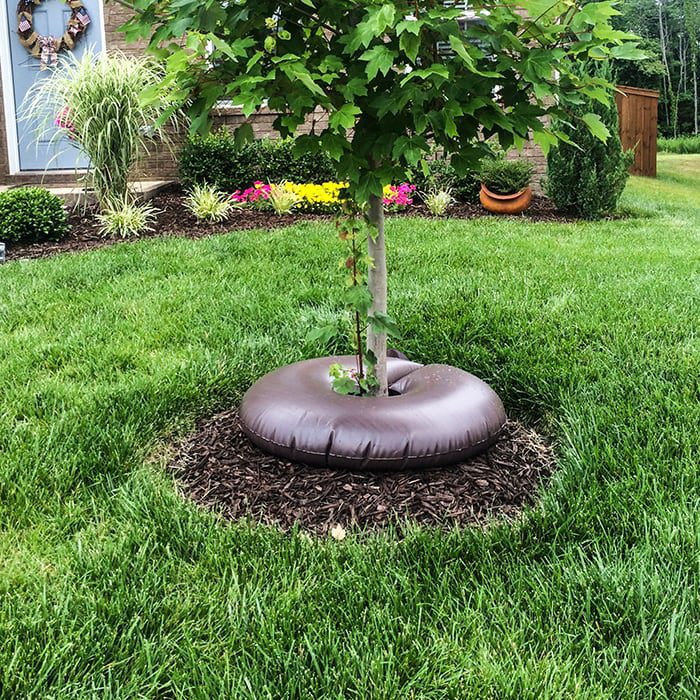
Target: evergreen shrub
<point>588,181</point>
<point>216,160</point>
<point>31,214</point>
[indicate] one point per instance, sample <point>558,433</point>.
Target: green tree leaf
<point>596,126</point>
<point>344,117</point>
<point>380,59</point>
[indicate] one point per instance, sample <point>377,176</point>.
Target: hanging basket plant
<point>46,48</point>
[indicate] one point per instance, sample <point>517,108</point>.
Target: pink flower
<point>252,194</point>
<point>399,195</point>
<point>63,121</point>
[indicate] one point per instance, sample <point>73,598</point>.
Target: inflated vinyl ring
<point>437,415</point>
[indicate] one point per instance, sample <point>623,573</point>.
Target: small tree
<point>588,178</point>
<point>394,77</point>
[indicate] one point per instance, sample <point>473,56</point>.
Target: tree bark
<point>671,110</point>
<point>376,342</point>
<point>695,100</point>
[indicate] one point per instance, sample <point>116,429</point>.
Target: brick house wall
<point>161,163</point>
<point>533,153</point>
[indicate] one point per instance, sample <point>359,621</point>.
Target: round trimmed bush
<point>31,214</point>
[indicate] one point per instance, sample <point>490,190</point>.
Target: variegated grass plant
<point>438,200</point>
<point>283,199</point>
<point>207,203</point>
<point>126,219</point>
<point>97,100</point>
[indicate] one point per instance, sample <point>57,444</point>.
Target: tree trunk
<point>671,117</point>
<point>695,100</point>
<point>376,342</point>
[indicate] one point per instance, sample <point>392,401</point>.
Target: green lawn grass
<point>113,586</point>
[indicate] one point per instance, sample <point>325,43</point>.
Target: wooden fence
<point>638,110</point>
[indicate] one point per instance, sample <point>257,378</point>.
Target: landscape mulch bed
<point>219,468</point>
<point>175,220</point>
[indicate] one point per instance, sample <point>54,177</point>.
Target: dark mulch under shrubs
<point>175,220</point>
<point>219,468</point>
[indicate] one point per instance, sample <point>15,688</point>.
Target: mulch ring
<point>175,220</point>
<point>219,468</point>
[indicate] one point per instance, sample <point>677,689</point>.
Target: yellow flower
<point>325,195</point>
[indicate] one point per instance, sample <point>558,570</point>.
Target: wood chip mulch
<point>175,220</point>
<point>219,468</point>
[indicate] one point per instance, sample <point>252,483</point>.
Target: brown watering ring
<point>438,415</point>
<point>505,203</point>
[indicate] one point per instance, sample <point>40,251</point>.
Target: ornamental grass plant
<point>207,203</point>
<point>127,219</point>
<point>438,201</point>
<point>282,199</point>
<point>97,100</point>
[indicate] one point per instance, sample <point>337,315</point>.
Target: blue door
<point>50,17</point>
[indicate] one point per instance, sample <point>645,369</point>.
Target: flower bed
<point>174,219</point>
<point>323,198</point>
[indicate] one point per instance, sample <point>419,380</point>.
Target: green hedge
<point>682,144</point>
<point>216,160</point>
<point>31,214</point>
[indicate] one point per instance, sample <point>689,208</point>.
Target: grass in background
<point>681,144</point>
<point>112,586</point>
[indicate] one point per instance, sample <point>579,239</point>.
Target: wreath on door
<point>46,48</point>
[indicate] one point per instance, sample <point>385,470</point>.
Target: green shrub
<point>682,144</point>
<point>126,219</point>
<point>442,176</point>
<point>210,160</point>
<point>504,176</point>
<point>216,160</point>
<point>31,214</point>
<point>588,181</point>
